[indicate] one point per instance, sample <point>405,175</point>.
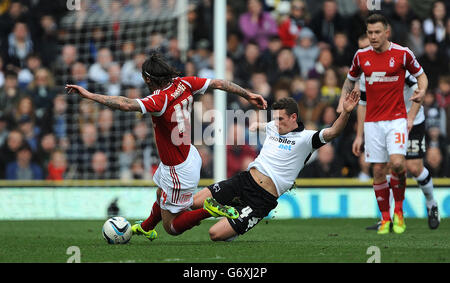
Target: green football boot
<point>218,210</point>
<point>137,230</point>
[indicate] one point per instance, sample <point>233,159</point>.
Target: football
<point>117,230</point>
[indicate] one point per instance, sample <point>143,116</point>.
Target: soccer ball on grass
<point>117,230</point>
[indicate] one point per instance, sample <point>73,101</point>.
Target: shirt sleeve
<point>155,104</point>
<point>355,69</point>
<point>411,63</point>
<point>197,85</point>
<point>317,140</point>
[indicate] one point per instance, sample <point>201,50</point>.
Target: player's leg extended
<point>398,184</point>
<point>425,182</point>
<point>381,189</point>
<point>147,227</point>
<point>199,198</point>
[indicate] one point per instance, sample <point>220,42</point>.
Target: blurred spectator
<point>202,54</point>
<point>416,38</point>
<point>23,168</point>
<point>364,174</point>
<point>435,139</point>
<point>326,22</point>
<point>249,63</point>
<point>127,52</point>
<point>324,62</point>
<point>98,72</point>
<point>47,146</point>
<point>48,40</point>
<point>306,51</point>
<point>328,117</point>
<point>23,108</point>
<point>342,52</point>
<point>31,131</point>
<point>207,168</point>
<point>144,145</point>
<point>443,99</point>
<point>357,21</point>
<point>113,86</point>
<point>435,24</point>
<point>433,63</point>
<point>286,66</point>
<point>289,29</point>
<point>401,21</point>
<point>173,54</point>
<point>330,90</point>
<point>235,48</point>
<point>138,171</point>
<point>8,150</point>
<point>190,69</point>
<point>57,166</point>
<point>18,45</point>
<point>26,74</point>
<point>297,88</point>
<point>99,169</point>
<point>63,65</point>
<point>434,162</point>
<point>311,106</point>
<point>55,119</point>
<point>3,129</point>
<point>239,154</point>
<point>259,84</point>
<point>10,94</point>
<point>16,12</point>
<point>42,91</point>
<point>434,115</point>
<point>127,155</point>
<point>202,28</point>
<point>107,135</point>
<point>325,166</point>
<point>79,76</point>
<point>131,74</point>
<point>269,56</point>
<point>81,151</point>
<point>257,25</point>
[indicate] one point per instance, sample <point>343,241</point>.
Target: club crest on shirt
<point>391,62</point>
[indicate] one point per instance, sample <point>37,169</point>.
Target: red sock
<point>398,184</point>
<point>154,218</point>
<point>382,195</point>
<point>188,219</point>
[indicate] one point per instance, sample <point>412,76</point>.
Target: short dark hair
<point>158,70</point>
<point>288,104</point>
<point>377,18</point>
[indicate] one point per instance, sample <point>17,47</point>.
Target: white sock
<point>425,182</point>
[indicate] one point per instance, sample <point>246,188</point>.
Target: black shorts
<point>242,192</point>
<point>416,142</point>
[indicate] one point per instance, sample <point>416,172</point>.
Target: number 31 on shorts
<point>400,138</point>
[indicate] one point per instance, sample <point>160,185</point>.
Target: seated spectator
<point>127,156</point>
<point>42,91</point>
<point>81,151</point>
<point>79,76</point>
<point>259,84</point>
<point>311,106</point>
<point>326,22</point>
<point>269,56</point>
<point>239,153</point>
<point>433,63</point>
<point>8,150</point>
<point>57,166</point>
<point>98,72</point>
<point>330,90</point>
<point>286,66</point>
<point>297,88</point>
<point>64,63</point>
<point>113,86</point>
<point>434,162</point>
<point>47,146</point>
<point>248,64</point>
<point>24,108</point>
<point>31,131</point>
<point>26,75</point>
<point>235,48</point>
<point>325,166</point>
<point>107,135</point>
<point>206,154</point>
<point>23,168</point>
<point>257,25</point>
<point>342,52</point>
<point>306,51</point>
<point>48,39</point>
<point>434,115</point>
<point>443,99</point>
<point>435,24</point>
<point>416,37</point>
<point>10,95</point>
<point>18,45</point>
<point>99,169</point>
<point>55,119</point>
<point>324,62</point>
<point>400,19</point>
<point>290,28</point>
<point>131,74</point>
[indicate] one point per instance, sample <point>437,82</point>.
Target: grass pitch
<point>272,241</point>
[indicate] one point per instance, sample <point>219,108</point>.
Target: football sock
<point>154,218</point>
<point>382,195</point>
<point>398,184</point>
<point>426,184</point>
<point>188,219</point>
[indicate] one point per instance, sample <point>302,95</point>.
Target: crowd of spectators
<point>297,48</point>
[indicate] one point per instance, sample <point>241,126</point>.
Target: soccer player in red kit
<point>384,64</point>
<point>177,177</point>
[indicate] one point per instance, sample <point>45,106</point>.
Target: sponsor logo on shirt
<point>380,77</point>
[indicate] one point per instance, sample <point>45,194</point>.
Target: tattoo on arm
<point>118,102</point>
<point>229,87</point>
<point>348,86</point>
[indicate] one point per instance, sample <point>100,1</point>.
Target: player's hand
<point>356,146</point>
<point>418,95</point>
<point>351,100</point>
<point>257,100</point>
<point>77,89</point>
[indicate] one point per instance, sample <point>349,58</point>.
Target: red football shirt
<point>385,78</point>
<point>170,109</point>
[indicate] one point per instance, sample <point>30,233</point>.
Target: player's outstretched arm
<point>115,102</point>
<point>254,99</point>
<point>350,101</point>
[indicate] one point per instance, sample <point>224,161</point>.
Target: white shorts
<point>178,183</point>
<point>384,138</point>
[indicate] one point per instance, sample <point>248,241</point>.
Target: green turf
<point>310,240</point>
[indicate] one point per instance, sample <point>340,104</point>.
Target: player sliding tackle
<point>178,174</point>
<point>254,192</point>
